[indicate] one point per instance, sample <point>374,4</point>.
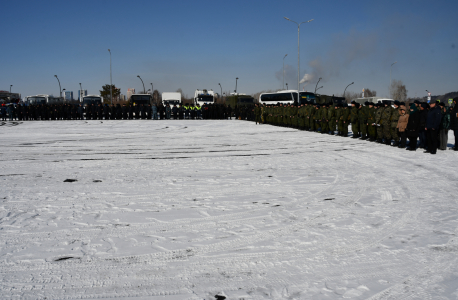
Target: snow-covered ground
<point>189,209</point>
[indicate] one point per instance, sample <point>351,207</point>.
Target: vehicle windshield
<point>171,102</point>
<point>246,100</point>
<point>140,97</point>
<point>277,97</point>
<point>203,98</point>
<point>40,100</point>
<point>92,100</point>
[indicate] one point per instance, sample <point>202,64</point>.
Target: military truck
<point>239,100</point>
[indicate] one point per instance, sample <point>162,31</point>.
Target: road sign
<point>450,101</point>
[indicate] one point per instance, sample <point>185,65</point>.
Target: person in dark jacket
<point>422,132</point>
<point>175,111</point>
<point>433,122</point>
<point>444,127</point>
<point>454,121</point>
<point>413,127</point>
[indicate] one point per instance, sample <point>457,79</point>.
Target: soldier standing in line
<point>378,121</point>
<point>386,123</point>
<point>362,116</point>
<point>371,127</point>
<point>394,123</point>
<point>354,119</point>
<point>337,115</point>
<point>346,117</point>
<point>332,118</point>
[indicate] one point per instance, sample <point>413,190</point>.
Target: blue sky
<point>198,44</point>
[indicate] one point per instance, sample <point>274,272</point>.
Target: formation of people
<point>395,125</point>
<point>122,112</point>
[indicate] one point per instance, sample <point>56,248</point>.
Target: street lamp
<point>284,71</point>
<point>236,85</point>
<point>318,88</point>
<point>111,83</point>
<point>221,90</point>
<point>390,75</point>
<point>81,93</point>
<point>346,88</point>
<point>10,87</point>
<point>60,90</point>
<point>317,84</point>
<point>142,83</point>
<point>298,53</point>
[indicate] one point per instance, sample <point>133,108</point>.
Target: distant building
<point>122,97</point>
<point>130,92</point>
<point>79,94</point>
<point>68,96</point>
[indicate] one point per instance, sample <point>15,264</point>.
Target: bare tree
<point>351,95</point>
<point>398,90</point>
<point>369,93</point>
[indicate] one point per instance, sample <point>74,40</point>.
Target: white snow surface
<point>191,209</point>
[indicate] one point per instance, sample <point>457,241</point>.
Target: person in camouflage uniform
<point>257,113</point>
<point>386,123</point>
<point>332,119</point>
<point>345,118</point>
<point>394,123</point>
<point>362,117</point>
<point>371,127</point>
<point>337,115</point>
<point>378,121</point>
<point>354,119</point>
<point>324,118</point>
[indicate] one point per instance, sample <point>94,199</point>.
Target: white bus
<point>204,96</point>
<point>171,99</point>
<point>92,99</point>
<point>373,100</point>
<point>283,97</point>
<point>43,99</point>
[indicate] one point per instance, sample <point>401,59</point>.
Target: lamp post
<point>346,88</point>
<point>318,88</point>
<point>221,90</point>
<point>142,83</point>
<point>60,90</point>
<point>317,84</point>
<point>298,48</point>
<point>429,96</point>
<point>284,71</point>
<point>81,93</point>
<point>10,87</point>
<point>111,83</point>
<point>236,85</point>
<point>390,75</point>
<point>286,85</point>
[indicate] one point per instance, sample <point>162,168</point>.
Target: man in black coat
<point>433,122</point>
<point>413,127</point>
<point>454,121</point>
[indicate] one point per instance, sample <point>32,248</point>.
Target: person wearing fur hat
<point>386,123</point>
<point>422,132</point>
<point>413,127</point>
<point>394,123</point>
<point>402,125</point>
<point>354,119</point>
<point>433,121</point>
<point>378,121</point>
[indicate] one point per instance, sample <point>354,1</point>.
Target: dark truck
<point>320,99</point>
<point>139,99</point>
<point>239,100</point>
